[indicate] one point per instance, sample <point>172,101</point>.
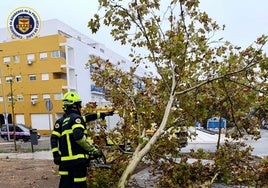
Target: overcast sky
<point>245,20</point>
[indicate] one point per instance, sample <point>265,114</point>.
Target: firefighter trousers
<point>73,177</point>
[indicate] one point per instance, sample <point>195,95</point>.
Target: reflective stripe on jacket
<point>73,129</point>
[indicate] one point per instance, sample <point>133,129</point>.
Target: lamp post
<point>4,101</point>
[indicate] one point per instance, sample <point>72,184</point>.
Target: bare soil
<point>28,173</point>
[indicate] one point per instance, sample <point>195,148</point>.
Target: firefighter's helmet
<point>70,98</point>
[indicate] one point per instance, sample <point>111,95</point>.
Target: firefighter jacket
<point>55,137</point>
<point>67,130</point>
<point>73,129</point>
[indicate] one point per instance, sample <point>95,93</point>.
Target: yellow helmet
<point>71,98</point>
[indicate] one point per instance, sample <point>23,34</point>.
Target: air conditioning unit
<point>7,62</point>
<point>33,101</point>
<point>29,62</point>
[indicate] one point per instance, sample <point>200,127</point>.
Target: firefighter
<point>69,144</point>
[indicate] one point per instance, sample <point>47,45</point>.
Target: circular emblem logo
<point>78,121</point>
<point>23,23</point>
<point>57,125</point>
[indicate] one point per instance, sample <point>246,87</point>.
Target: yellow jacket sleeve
<point>84,143</point>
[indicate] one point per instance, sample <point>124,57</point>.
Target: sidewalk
<point>201,137</point>
<point>45,155</point>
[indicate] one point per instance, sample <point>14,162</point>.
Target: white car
<point>22,132</point>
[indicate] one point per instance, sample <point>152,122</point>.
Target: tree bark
<point>139,154</point>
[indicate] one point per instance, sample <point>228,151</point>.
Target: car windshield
<point>23,127</point>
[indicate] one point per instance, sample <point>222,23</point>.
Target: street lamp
<point>4,101</point>
<point>76,82</point>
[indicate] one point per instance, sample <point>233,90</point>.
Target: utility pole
<point>13,114</point>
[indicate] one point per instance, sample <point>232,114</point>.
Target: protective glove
<point>103,115</point>
<point>56,158</point>
<point>96,152</point>
<point>109,113</point>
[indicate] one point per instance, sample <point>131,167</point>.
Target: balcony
<point>95,89</point>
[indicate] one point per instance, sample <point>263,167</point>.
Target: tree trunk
<point>139,154</point>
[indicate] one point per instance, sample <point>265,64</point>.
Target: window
<point>30,57</point>
<point>32,77</point>
<point>6,60</point>
<point>8,79</point>
<point>43,55</point>
<point>1,99</point>
<point>46,96</point>
<point>62,54</point>
<point>18,78</point>
<point>18,129</point>
<point>57,96</point>
<point>16,58</point>
<point>45,76</point>
<point>34,97</point>
<point>55,54</point>
<point>58,53</point>
<point>19,97</point>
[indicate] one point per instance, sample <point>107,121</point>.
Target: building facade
<point>35,73</point>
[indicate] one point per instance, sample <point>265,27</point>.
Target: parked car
<point>22,132</point>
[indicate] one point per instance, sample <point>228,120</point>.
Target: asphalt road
<point>209,143</point>
<point>203,140</point>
